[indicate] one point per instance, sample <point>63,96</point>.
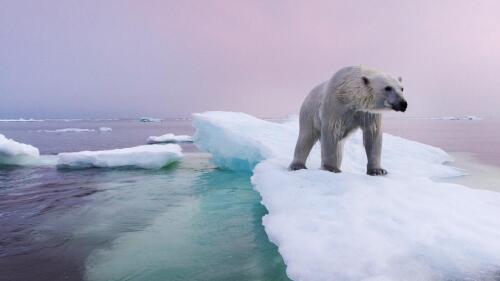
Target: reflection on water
<point>189,222</point>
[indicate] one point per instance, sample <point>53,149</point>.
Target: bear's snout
<point>401,106</point>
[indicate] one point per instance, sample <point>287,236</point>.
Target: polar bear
<point>353,98</point>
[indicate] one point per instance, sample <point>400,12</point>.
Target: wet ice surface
<point>188,222</point>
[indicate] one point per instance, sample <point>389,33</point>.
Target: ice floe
<point>169,138</point>
<point>105,129</point>
<point>16,153</point>
<point>350,226</point>
<point>149,119</point>
<point>68,130</point>
<point>144,156</point>
<point>21,120</point>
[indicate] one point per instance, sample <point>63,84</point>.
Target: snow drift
<point>16,153</point>
<point>144,156</point>
<point>350,226</point>
<point>169,138</point>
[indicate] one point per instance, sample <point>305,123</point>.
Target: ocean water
<point>189,221</point>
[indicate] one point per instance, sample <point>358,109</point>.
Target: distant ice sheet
<point>68,130</point>
<point>16,153</point>
<point>452,118</point>
<point>350,226</point>
<point>144,156</point>
<point>169,138</point>
<point>21,120</point>
<point>468,117</point>
<point>77,130</point>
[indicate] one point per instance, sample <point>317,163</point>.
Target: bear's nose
<point>403,105</point>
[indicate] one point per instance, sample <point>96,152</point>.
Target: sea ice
<point>350,226</point>
<point>144,156</point>
<point>16,153</point>
<point>169,138</point>
<point>105,129</point>
<point>21,120</point>
<point>452,118</point>
<point>468,117</point>
<point>149,119</point>
<point>68,130</point>
<point>239,141</point>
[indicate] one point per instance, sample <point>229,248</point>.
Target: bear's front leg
<point>331,153</point>
<point>372,140</point>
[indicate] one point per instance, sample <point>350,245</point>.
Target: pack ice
<point>144,156</point>
<point>350,226</point>
<point>16,153</point>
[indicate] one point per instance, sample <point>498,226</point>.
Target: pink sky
<point>169,58</point>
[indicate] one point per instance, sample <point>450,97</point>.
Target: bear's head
<point>387,92</point>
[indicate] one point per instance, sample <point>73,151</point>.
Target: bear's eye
<point>402,89</point>
<point>388,88</point>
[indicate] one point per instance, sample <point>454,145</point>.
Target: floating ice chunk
<point>169,138</point>
<point>105,129</point>
<point>21,120</point>
<point>68,130</point>
<point>144,156</point>
<point>16,153</point>
<point>149,119</point>
<point>351,226</point>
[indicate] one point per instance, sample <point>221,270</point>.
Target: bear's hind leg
<point>305,143</point>
<point>331,153</point>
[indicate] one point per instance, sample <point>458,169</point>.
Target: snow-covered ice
<point>16,153</point>
<point>144,156</point>
<point>350,226</point>
<point>69,130</point>
<point>105,129</point>
<point>169,138</point>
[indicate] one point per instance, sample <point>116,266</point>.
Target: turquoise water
<point>203,224</point>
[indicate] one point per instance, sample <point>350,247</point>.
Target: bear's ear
<point>366,81</point>
<point>400,79</point>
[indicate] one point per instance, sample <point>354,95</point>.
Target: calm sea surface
<point>187,222</point>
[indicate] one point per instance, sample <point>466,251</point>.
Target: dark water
<point>189,221</point>
<point>185,222</point>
